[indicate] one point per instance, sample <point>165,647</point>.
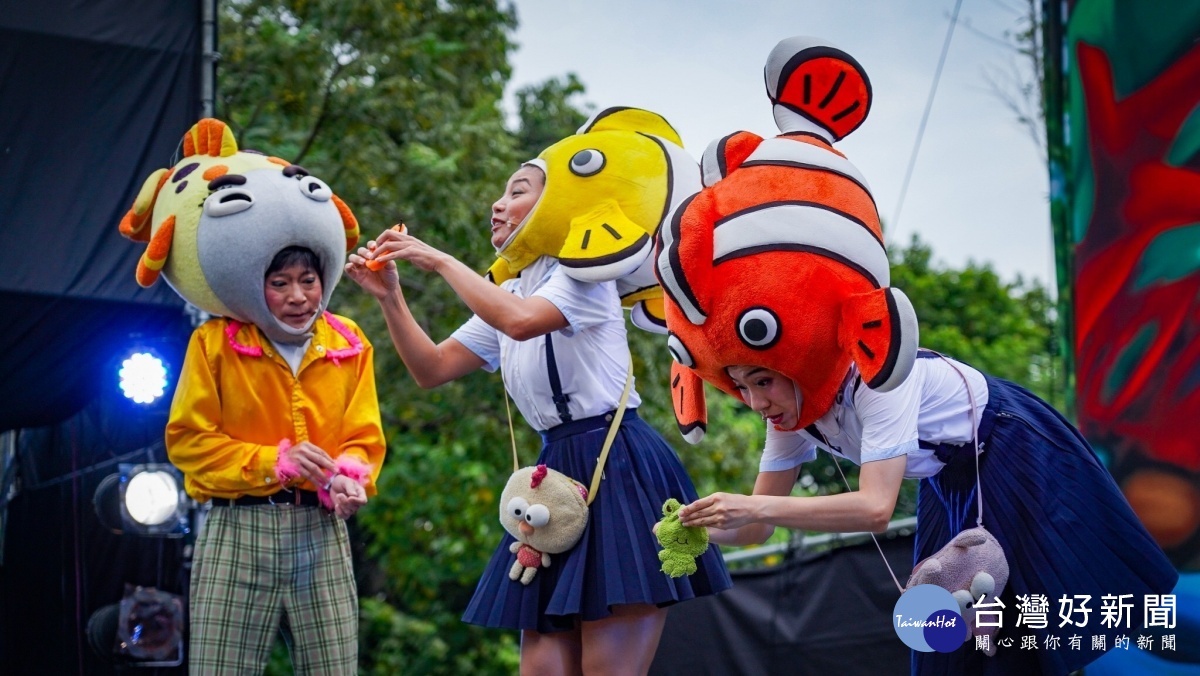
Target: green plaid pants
<point>256,566</point>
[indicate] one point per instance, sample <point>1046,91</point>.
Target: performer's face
<point>293,295</point>
<point>769,393</point>
<point>522,192</point>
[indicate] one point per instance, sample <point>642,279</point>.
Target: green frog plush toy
<point>681,544</point>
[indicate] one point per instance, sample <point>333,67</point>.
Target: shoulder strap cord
<point>608,440</point>
<point>560,399</point>
<point>812,430</point>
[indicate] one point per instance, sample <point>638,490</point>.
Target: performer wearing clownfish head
<point>776,283</point>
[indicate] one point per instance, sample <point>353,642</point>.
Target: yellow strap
<point>511,434</point>
<point>612,434</point>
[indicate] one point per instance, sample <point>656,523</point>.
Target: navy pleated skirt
<point>616,560</point>
<point>1063,523</point>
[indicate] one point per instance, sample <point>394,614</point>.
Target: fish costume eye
<point>517,507</point>
<point>315,189</point>
<point>679,352</point>
<point>758,328</point>
<point>587,162</point>
<point>227,200</point>
<point>537,515</point>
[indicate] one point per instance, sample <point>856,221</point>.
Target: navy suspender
<point>560,399</point>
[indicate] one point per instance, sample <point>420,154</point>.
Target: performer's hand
<point>314,463</point>
<point>379,283</point>
<point>719,510</point>
<point>347,495</point>
<point>392,245</point>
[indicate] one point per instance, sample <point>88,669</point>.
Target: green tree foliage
<point>549,111</point>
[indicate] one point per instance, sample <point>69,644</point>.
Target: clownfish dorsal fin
<point>631,119</point>
<point>816,88</point>
<point>209,137</point>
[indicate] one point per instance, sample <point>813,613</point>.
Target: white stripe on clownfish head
<point>670,268</point>
<point>791,226</point>
<point>788,152</point>
<point>790,122</point>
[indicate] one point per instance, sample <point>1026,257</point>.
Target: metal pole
<point>208,56</point>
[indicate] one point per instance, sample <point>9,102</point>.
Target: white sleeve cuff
<point>490,363</point>
<point>887,453</point>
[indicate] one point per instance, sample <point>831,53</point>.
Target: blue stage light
<point>143,377</point>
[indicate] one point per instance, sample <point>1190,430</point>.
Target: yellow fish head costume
<point>216,219</point>
<point>609,188</point>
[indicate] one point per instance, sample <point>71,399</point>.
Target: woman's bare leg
<point>623,643</point>
<point>551,654</point>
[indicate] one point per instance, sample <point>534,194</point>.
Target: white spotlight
<point>143,377</point>
<point>152,498</point>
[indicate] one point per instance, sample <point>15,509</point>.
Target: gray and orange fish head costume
<point>215,220</point>
<point>779,261</point>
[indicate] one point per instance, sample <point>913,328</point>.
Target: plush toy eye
<point>537,515</point>
<point>758,328</point>
<point>315,189</point>
<point>678,352</point>
<point>587,162</point>
<point>517,508</point>
<point>226,201</point>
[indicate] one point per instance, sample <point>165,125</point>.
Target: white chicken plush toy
<point>546,511</point>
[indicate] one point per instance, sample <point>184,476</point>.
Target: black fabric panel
<point>824,614</point>
<point>61,353</point>
<point>96,95</point>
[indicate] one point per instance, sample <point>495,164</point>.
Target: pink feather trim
<point>352,467</point>
<point>285,469</point>
<point>347,466</point>
<point>356,346</point>
<point>336,356</point>
<point>241,348</point>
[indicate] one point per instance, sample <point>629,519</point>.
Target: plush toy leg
<point>515,572</point>
<point>527,577</point>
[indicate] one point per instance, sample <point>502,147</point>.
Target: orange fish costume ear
<point>779,261</point>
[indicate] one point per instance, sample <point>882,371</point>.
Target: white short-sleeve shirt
<point>864,425</point>
<point>592,353</point>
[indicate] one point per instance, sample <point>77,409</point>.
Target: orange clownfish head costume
<point>779,261</point>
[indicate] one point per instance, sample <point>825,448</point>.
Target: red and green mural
<point>1126,204</point>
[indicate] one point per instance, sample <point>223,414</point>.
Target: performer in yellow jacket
<point>275,417</point>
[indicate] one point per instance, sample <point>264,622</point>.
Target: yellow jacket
<point>237,400</point>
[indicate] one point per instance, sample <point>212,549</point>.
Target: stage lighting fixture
<point>143,377</point>
<point>143,500</point>
<point>145,629</point>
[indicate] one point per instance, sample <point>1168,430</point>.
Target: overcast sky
<point>979,190</point>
